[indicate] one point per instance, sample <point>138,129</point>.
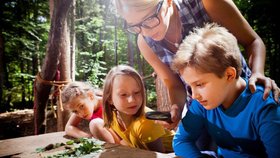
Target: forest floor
<point>20,123</point>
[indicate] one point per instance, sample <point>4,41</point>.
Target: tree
<point>56,46</point>
<point>2,72</point>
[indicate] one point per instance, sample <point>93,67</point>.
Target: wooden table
<point>25,147</point>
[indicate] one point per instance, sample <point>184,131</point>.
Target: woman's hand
<point>268,83</point>
<point>176,114</point>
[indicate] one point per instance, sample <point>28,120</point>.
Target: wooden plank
<point>25,147</point>
<point>29,144</point>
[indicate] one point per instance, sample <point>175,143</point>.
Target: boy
<point>241,123</point>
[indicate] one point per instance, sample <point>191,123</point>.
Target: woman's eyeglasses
<point>149,23</point>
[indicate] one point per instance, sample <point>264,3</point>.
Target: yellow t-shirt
<point>143,131</point>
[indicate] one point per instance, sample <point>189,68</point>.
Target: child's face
<point>139,17</point>
<point>126,95</point>
<point>82,106</point>
<point>208,89</point>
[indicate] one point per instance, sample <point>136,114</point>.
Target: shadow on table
<point>117,151</point>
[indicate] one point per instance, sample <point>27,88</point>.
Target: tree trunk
<point>116,40</point>
<point>23,88</point>
<point>55,48</point>
<point>163,101</point>
<point>4,80</point>
<point>72,41</point>
<point>139,62</point>
<point>63,115</point>
<point>130,52</point>
<point>1,66</point>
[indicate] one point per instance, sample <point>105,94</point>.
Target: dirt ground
<point>20,123</point>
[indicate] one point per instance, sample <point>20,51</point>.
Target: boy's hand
<point>268,83</point>
<point>176,113</point>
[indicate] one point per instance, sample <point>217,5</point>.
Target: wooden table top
<point>25,147</point>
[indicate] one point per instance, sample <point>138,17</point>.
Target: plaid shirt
<point>192,14</point>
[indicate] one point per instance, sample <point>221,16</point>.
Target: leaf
<point>70,142</point>
<point>38,150</point>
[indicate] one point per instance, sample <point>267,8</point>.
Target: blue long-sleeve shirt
<point>249,128</point>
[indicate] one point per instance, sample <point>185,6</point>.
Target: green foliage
<point>152,98</point>
<point>24,28</point>
<point>262,16</point>
<point>89,57</point>
<point>74,148</point>
<point>93,66</point>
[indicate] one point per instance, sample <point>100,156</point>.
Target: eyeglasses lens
<point>149,23</point>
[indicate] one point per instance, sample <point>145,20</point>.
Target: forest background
<point>100,43</point>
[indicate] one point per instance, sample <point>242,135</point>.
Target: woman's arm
<point>72,129</point>
<point>174,85</point>
<point>225,13</point>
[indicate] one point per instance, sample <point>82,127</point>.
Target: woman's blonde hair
<point>107,93</point>
<point>210,49</point>
<point>126,6</point>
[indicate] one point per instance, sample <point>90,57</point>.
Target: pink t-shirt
<point>97,113</point>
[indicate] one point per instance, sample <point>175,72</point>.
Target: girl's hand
<point>123,142</point>
<point>116,137</point>
<point>268,83</point>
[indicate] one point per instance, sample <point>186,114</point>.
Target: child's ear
<point>110,102</point>
<point>91,95</point>
<point>66,106</point>
<point>230,73</point>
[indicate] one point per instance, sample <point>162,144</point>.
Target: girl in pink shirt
<point>84,102</point>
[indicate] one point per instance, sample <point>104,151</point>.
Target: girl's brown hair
<point>107,92</point>
<point>75,89</point>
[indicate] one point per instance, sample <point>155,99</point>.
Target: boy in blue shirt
<point>241,123</point>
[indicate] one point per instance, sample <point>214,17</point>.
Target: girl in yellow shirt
<point>124,107</point>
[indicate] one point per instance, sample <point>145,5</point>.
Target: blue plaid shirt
<point>192,14</point>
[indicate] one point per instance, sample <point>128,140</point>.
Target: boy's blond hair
<point>107,93</point>
<point>210,49</point>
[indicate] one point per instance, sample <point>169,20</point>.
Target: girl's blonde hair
<point>210,49</point>
<point>75,89</point>
<point>107,93</point>
<point>126,6</point>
